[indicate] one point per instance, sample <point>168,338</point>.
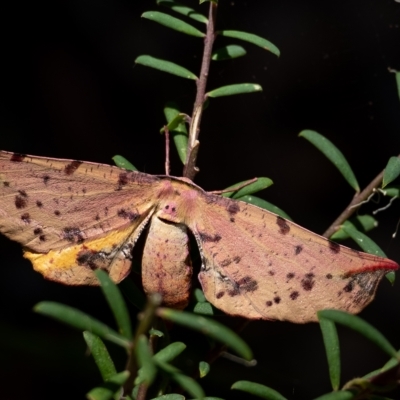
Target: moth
<point>75,217</point>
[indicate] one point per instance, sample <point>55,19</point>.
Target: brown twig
<point>166,132</point>
<point>354,205</point>
<point>190,168</point>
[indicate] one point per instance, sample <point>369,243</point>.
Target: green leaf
<point>100,354</point>
<point>204,369</point>
<point>122,162</point>
<point>208,327</point>
<point>156,332</point>
<point>360,326</point>
<point>169,352</point>
<point>231,90</point>
<point>80,320</point>
<point>108,389</point>
<point>332,350</point>
<point>392,171</point>
<point>392,191</point>
<point>228,52</point>
<point>333,154</point>
<point>251,38</point>
<point>173,124</point>
<point>148,369</point>
<point>398,83</point>
<point>342,395</point>
<point>182,9</point>
<point>266,205</point>
<point>204,308</point>
<point>186,383</point>
<point>254,187</point>
<point>171,396</point>
<point>179,133</point>
<point>173,23</point>
<point>258,390</point>
<point>133,293</point>
<point>364,222</point>
<point>165,66</point>
<point>116,303</point>
<point>367,244</point>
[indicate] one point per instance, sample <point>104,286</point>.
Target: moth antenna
<point>365,201</point>
<point>385,207</point>
<point>397,229</point>
<point>235,188</point>
<point>166,132</point>
<point>239,360</point>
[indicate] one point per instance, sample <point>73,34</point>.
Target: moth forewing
<point>258,265</point>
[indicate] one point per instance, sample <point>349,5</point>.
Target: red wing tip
<point>384,265</point>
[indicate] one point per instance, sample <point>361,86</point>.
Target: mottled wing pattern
<point>259,265</point>
<point>94,210</point>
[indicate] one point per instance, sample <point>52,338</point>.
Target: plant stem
<point>190,169</point>
<point>354,205</point>
<point>147,318</point>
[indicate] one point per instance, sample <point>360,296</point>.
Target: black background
<point>70,90</point>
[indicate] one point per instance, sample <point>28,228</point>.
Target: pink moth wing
<point>73,217</point>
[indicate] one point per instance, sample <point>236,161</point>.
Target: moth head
<point>179,207</point>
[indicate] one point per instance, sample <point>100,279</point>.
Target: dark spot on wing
<point>38,231</point>
<point>271,272</point>
<point>294,295</point>
<point>268,303</point>
<point>73,234</point>
<point>20,201</point>
<point>234,292</point>
<point>298,249</point>
<point>57,213</point>
<point>123,179</point>
<point>90,258</point>
<point>42,238</point>
<point>277,300</point>
<point>6,184</point>
<point>329,276</point>
<point>226,262</point>
<point>204,237</point>
<point>26,218</point>
<point>290,275</point>
<point>349,287</point>
<point>72,167</point>
<point>23,193</point>
<point>127,214</point>
<point>233,208</point>
<point>39,204</point>
<point>308,281</point>
<point>97,217</point>
<point>248,284</point>
<point>232,219</point>
<point>334,247</point>
<point>46,179</point>
<point>284,228</point>
<point>17,157</point>
<point>220,294</point>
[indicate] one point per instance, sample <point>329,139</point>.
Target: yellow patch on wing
<point>75,264</point>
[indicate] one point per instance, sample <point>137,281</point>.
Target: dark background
<point>70,90</point>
